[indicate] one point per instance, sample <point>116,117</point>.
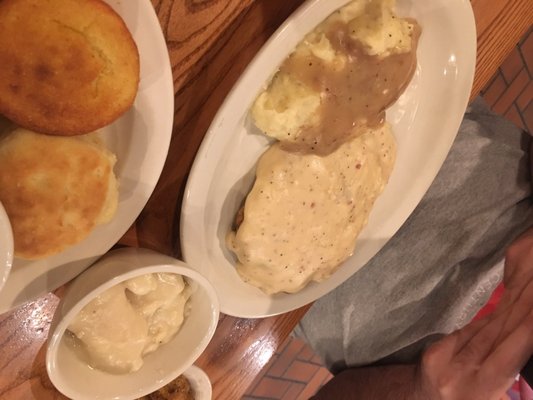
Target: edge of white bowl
<point>58,327</point>
<point>200,382</point>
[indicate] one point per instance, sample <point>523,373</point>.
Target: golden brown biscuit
<point>67,66</point>
<point>55,189</point>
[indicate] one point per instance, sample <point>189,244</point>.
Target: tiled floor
<point>295,372</point>
<point>511,90</point>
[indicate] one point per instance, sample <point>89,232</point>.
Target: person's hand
<point>481,361</point>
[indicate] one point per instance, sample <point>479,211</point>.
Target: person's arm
<point>477,362</point>
<point>391,382</point>
<point>531,158</point>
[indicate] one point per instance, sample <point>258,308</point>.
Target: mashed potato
<point>375,25</point>
<point>297,101</point>
<point>285,108</point>
<point>130,320</point>
<point>304,212</point>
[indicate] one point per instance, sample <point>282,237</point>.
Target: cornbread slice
<point>68,66</point>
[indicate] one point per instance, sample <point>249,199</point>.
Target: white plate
<point>200,383</point>
<point>425,121</point>
<point>6,247</point>
<point>140,139</point>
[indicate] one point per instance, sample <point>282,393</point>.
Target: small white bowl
<point>75,379</point>
<point>6,247</point>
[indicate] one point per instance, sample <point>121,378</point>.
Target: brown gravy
<point>355,96</point>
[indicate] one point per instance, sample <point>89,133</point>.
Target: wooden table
<point>210,43</point>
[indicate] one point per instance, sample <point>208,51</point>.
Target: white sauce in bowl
<point>120,326</point>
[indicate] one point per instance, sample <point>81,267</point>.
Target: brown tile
<point>328,377</point>
<point>512,92</point>
<point>494,90</point>
<point>314,384</point>
<point>294,391</point>
<point>271,388</point>
<point>286,358</point>
<point>301,371</point>
<point>524,37</point>
<point>527,114</point>
<point>527,51</point>
<point>514,116</point>
<point>512,65</point>
<point>306,354</point>
<point>317,360</point>
<point>261,374</point>
<point>281,348</point>
<point>525,98</point>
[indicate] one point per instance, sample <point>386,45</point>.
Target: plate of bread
<point>86,112</point>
